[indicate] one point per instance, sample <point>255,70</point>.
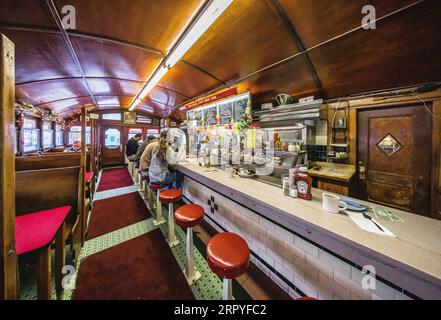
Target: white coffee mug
<point>332,203</point>
<point>229,172</point>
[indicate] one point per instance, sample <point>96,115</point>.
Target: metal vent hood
<point>288,112</point>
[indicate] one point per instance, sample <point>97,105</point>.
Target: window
<point>31,135</point>
<point>133,131</point>
<point>59,136</point>
<point>112,138</point>
<point>75,135</point>
<point>111,116</point>
<point>48,135</point>
<point>154,132</point>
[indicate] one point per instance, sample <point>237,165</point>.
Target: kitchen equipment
<point>332,203</point>
<point>283,99</point>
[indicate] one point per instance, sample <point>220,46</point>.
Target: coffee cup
<point>229,172</point>
<point>331,203</point>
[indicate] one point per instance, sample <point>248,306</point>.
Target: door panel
<point>394,145</point>
<point>112,145</point>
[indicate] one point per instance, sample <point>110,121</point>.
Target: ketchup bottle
<point>303,183</point>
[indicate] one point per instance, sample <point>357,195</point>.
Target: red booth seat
<point>35,230</point>
<point>89,176</point>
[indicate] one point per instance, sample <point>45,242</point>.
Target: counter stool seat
<point>170,196</point>
<point>228,256</point>
<point>156,186</point>
<point>189,215</point>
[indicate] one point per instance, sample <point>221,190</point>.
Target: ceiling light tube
<point>153,81</point>
<point>207,18</point>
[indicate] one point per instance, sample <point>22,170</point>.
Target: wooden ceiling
<point>299,47</point>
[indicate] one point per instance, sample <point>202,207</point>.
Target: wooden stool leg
<point>44,285</point>
<point>60,259</point>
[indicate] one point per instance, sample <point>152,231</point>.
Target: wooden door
<point>394,146</point>
<point>112,145</point>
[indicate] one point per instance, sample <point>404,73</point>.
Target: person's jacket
<point>132,147</point>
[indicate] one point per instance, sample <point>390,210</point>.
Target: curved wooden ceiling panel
<point>44,92</point>
<point>247,37</point>
<point>40,56</point>
<point>154,24</point>
<point>68,105</point>
<point>320,20</point>
<point>166,96</point>
<point>117,87</point>
<point>26,13</point>
<point>113,101</point>
<point>104,59</point>
<point>401,51</point>
<point>187,80</point>
<point>291,77</point>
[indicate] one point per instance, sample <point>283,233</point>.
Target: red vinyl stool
<point>159,218</point>
<point>189,216</point>
<point>169,197</point>
<point>228,256</point>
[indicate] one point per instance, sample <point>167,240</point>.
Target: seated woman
<point>160,170</point>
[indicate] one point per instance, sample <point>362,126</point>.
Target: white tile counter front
<point>306,250</point>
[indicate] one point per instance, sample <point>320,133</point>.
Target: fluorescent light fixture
<point>207,18</point>
<point>153,82</point>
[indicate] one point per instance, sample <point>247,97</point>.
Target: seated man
<point>150,138</point>
<point>76,147</point>
<point>146,157</point>
<point>132,146</point>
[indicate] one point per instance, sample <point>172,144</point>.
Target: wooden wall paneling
<point>83,209</point>
<point>436,175</point>
<point>8,259</point>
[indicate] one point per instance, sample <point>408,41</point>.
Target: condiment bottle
<point>303,183</point>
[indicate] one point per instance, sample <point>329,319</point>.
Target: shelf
<point>339,145</point>
<point>288,153</point>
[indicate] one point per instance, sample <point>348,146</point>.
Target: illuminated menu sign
<point>225,110</point>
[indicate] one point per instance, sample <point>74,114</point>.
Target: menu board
<point>239,108</point>
<point>229,109</point>
<point>226,113</point>
<point>210,116</point>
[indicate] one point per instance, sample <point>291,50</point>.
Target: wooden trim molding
<point>8,256</point>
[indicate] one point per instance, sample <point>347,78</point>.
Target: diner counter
<point>411,260</point>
